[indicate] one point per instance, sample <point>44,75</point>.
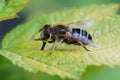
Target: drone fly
<point>71,33</point>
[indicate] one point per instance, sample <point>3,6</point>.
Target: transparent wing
<point>81,24</point>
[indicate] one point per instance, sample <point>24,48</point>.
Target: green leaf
<point>68,60</point>
<point>0,51</point>
<point>10,8</point>
<point>101,73</point>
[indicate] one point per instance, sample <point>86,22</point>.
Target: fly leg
<point>83,46</point>
<point>54,47</point>
<point>44,43</point>
<point>38,39</point>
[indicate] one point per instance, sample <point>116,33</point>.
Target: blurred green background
<point>8,71</point>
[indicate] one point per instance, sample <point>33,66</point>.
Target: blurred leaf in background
<point>45,6</point>
<point>10,8</point>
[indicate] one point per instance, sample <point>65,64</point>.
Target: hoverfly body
<point>71,33</point>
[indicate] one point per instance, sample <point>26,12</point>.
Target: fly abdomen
<point>76,30</point>
<point>84,33</point>
<point>82,36</point>
<point>89,37</point>
<point>81,33</point>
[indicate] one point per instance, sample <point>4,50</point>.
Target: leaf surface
<point>10,8</point>
<point>68,60</point>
